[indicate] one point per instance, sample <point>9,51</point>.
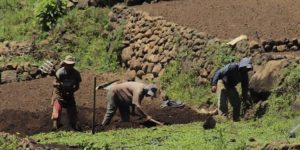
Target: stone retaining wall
<point>152,42</point>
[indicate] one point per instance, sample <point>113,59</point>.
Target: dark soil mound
<point>25,107</point>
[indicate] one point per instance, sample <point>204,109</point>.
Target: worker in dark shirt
<point>227,78</point>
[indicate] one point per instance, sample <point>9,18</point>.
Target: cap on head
<point>246,62</point>
<point>70,60</point>
<point>151,89</point>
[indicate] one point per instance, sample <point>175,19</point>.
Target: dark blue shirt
<point>231,76</point>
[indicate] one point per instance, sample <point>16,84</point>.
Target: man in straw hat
<point>122,96</point>
<point>229,76</point>
<point>65,84</point>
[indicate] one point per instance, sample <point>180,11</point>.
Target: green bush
<point>47,12</point>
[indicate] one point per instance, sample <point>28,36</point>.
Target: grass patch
<point>8,142</point>
<point>86,34</point>
<point>20,60</point>
<point>17,20</point>
<point>228,135</point>
<point>180,79</point>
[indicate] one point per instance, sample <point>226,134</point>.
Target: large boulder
<point>8,76</point>
<point>268,76</point>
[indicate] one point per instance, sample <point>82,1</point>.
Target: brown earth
<point>25,107</point>
<point>230,18</point>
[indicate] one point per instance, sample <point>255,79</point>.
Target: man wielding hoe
<point>65,84</point>
<point>230,75</point>
<point>122,96</point>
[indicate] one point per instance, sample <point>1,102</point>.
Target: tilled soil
<point>26,107</point>
<point>230,18</point>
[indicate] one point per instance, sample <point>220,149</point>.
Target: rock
<point>268,48</point>
<point>148,77</point>
<point>20,69</point>
<point>148,33</point>
<point>156,69</point>
<point>82,4</point>
<point>44,42</point>
<point>69,37</point>
<point>138,36</point>
<point>294,48</point>
<point>202,81</point>
<point>136,65</point>
<point>131,75</point>
<point>3,49</point>
<point>8,76</point>
<point>27,67</point>
<point>161,72</point>
<point>209,123</point>
<point>154,38</point>
<point>10,66</point>
<point>127,54</point>
<point>281,48</point>
<point>6,43</point>
<point>153,58</point>
<point>34,71</point>
<point>253,45</point>
<point>295,41</point>
<point>268,76</point>
<point>140,74</point>
<point>70,4</point>
<point>25,76</point>
<point>149,67</point>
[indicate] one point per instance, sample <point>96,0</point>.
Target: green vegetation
<point>219,54</point>
<point>227,135</point>
<point>183,83</point>
<point>83,33</point>
<point>19,60</point>
<point>48,11</point>
<point>8,142</point>
<point>88,35</point>
<point>283,96</point>
<point>16,20</point>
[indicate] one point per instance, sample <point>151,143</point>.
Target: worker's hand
<point>214,89</point>
<point>56,84</point>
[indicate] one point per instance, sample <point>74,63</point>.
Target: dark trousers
<point>228,94</point>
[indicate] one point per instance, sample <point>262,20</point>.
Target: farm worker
<point>227,78</point>
<point>122,96</point>
<point>65,84</point>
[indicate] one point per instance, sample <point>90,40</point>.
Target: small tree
<point>47,12</point>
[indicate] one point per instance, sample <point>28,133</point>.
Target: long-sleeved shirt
<point>231,76</point>
<point>129,92</point>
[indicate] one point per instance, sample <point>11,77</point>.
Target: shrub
<point>48,11</point>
